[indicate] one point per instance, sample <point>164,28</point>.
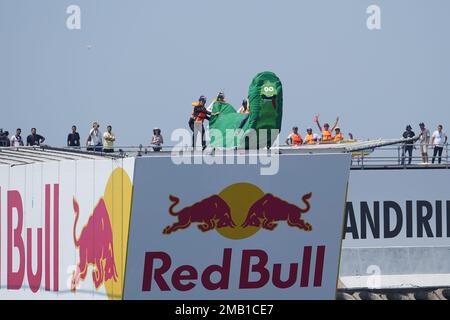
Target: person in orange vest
<point>338,135</point>
<point>294,138</point>
<point>326,132</point>
<point>310,138</point>
<point>199,114</point>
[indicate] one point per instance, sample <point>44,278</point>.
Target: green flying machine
<point>265,104</point>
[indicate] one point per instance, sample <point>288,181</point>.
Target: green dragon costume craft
<point>265,103</point>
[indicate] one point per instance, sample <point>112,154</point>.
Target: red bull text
<point>20,243</point>
<point>161,275</point>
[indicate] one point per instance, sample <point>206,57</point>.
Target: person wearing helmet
<point>409,145</point>
<point>326,132</point>
<point>338,135</point>
<point>294,138</point>
<point>220,98</point>
<point>157,140</point>
<point>199,114</point>
<point>310,138</point>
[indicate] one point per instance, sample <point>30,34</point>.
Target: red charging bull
<point>270,208</point>
<point>95,245</point>
<point>210,213</point>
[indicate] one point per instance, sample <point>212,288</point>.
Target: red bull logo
<point>210,213</point>
<point>269,209</point>
<point>31,255</point>
<point>102,242</point>
<point>239,211</point>
<point>95,245</point>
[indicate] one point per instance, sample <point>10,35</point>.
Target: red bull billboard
<point>64,229</point>
<point>211,232</point>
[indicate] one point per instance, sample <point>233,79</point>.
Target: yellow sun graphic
<point>117,197</point>
<point>240,197</point>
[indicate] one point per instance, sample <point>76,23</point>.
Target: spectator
<point>34,139</point>
<point>16,140</point>
<point>424,139</point>
<point>4,139</point>
<point>157,140</point>
<point>338,135</point>
<point>220,98</point>
<point>73,139</point>
<point>245,110</point>
<point>409,145</point>
<point>198,116</point>
<point>326,132</point>
<point>94,140</point>
<point>294,138</point>
<point>438,140</point>
<point>108,140</point>
<point>310,138</point>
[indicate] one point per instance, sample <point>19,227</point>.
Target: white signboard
<point>228,232</point>
<point>64,227</point>
<point>398,208</point>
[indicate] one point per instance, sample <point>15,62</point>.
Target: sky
<point>140,64</point>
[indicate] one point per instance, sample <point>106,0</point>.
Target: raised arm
<point>316,120</point>
<point>335,124</point>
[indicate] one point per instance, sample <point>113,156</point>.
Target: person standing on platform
<point>438,140</point>
<point>326,132</point>
<point>73,138</point>
<point>294,138</point>
<point>424,139</point>
<point>108,140</point>
<point>310,138</point>
<point>16,140</point>
<point>409,145</point>
<point>94,139</point>
<point>34,139</point>
<point>157,140</point>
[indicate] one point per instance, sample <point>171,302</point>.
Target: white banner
<point>64,227</point>
<point>398,208</point>
<point>227,232</point>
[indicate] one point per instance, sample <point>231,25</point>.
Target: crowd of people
<point>295,139</point>
<point>95,141</point>
<point>435,141</point>
<point>33,139</point>
<point>98,142</point>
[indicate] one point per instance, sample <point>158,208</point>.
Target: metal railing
<point>397,157</point>
<point>393,156</point>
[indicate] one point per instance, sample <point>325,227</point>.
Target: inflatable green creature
<point>265,104</point>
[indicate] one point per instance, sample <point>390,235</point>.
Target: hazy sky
<point>139,64</point>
